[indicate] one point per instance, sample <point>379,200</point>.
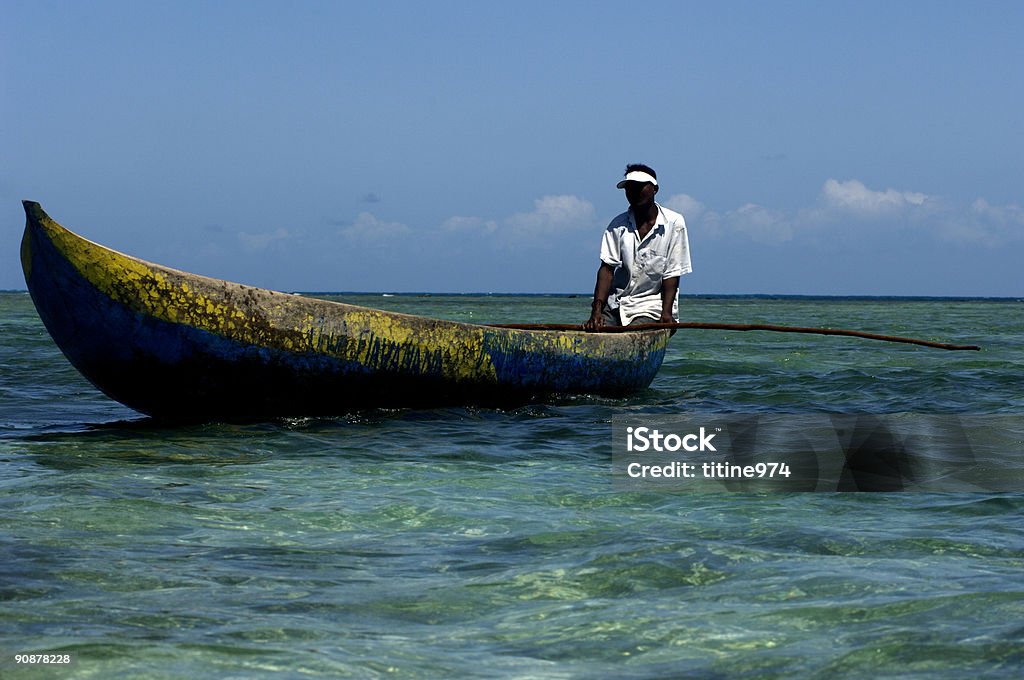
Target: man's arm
<point>669,290</point>
<point>602,289</point>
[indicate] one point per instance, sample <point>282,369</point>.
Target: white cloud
<point>689,206</point>
<point>459,224</point>
<point>920,214</point>
<point>552,218</point>
<point>552,212</point>
<point>760,224</point>
<point>985,224</point>
<point>254,242</point>
<point>851,210</point>
<point>853,196</point>
<point>367,227</point>
<point>753,221</point>
<point>1004,216</point>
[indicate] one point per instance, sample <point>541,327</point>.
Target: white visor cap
<point>637,176</point>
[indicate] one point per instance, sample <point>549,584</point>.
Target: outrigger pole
<point>734,327</point>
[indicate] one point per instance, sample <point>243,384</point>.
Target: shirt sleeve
<point>679,251</point>
<point>610,248</point>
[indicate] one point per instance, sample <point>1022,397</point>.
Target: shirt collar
<point>661,221</point>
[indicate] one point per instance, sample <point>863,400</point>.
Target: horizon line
<point>846,296</point>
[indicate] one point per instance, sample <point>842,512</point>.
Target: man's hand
<point>669,293</point>
<point>601,289</point>
<point>596,319</point>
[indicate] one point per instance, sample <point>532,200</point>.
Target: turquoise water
<point>481,543</point>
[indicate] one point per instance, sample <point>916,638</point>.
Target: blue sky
<point>871,148</point>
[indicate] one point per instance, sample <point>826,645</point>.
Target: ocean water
<point>475,543</point>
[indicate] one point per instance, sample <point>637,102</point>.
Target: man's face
<point>640,193</point>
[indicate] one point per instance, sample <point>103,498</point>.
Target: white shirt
<point>641,265</point>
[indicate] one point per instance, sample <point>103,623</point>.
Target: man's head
<point>640,182</point>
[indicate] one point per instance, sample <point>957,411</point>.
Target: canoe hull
<point>177,345</point>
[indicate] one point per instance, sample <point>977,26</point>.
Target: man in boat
<point>644,252</point>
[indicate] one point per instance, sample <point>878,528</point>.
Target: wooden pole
<point>733,327</point>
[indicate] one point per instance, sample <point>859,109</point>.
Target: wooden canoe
<point>177,345</point>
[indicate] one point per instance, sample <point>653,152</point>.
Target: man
<point>644,252</point>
